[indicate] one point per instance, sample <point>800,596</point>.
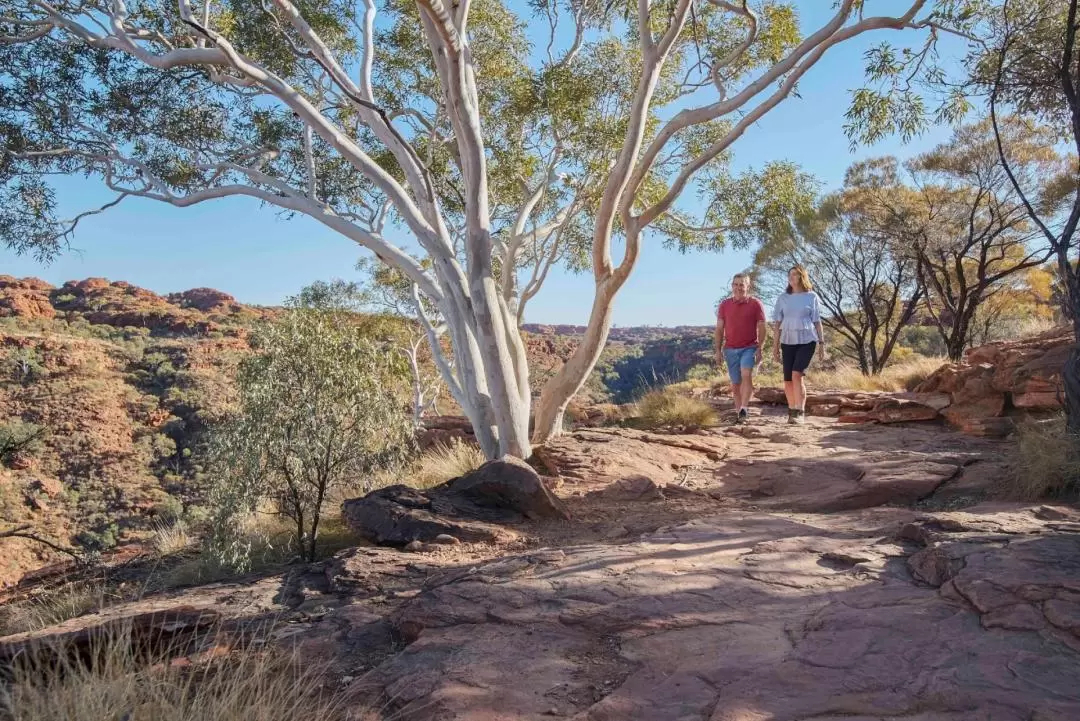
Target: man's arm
<point>762,336</point>
<point>761,332</point>
<point>718,340</point>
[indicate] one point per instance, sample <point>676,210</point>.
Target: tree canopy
<point>499,139</point>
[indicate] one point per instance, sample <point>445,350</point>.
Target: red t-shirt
<point>740,321</point>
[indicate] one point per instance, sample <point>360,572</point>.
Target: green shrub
<point>320,405</point>
<point>19,437</point>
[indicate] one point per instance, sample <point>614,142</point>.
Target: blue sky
<point>241,248</point>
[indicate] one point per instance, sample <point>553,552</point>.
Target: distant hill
<point>627,334</point>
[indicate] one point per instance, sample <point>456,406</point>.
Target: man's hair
<point>744,276</point>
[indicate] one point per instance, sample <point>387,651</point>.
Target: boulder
<point>469,508</point>
<point>399,515</point>
<point>507,483</point>
<point>903,410</point>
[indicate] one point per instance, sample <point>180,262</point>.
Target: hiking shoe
<point>800,417</point>
<point>791,416</point>
<point>744,416</point>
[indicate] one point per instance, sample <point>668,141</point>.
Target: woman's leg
<point>803,356</point>
<point>798,390</point>
<point>787,356</point>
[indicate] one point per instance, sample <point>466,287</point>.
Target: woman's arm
<point>816,317</point>
<point>778,318</point>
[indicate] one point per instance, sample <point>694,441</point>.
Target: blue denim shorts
<point>737,359</point>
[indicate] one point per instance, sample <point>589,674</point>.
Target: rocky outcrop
<point>468,509</point>
<point>100,301</point>
<point>982,396</point>
<point>856,406</point>
<point>996,381</point>
<point>25,298</point>
<point>206,300</point>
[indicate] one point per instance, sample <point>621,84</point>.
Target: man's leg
<point>747,387</point>
<point>734,369</point>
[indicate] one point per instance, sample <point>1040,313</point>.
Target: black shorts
<point>796,357</point>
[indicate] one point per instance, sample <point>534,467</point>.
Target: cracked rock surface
<point>756,573</point>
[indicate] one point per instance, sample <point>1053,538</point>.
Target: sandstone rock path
<point>760,573</point>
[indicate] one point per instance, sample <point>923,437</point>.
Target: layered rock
<point>997,379</point>
<point>982,395</point>
<point>858,406</point>
<point>753,616</point>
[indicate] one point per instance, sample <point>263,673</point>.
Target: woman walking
<point>797,334</point>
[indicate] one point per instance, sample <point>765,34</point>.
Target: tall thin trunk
<point>557,392</point>
<point>1070,374</point>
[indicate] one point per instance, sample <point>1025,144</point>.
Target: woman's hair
<point>804,279</point>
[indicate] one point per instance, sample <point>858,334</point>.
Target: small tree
<point>320,407</point>
<point>1030,60</point>
<point>385,289</point>
<point>17,436</point>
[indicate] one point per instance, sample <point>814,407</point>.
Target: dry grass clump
<point>1045,463</point>
<point>904,375</point>
<point>443,462</point>
<point>118,684</point>
<point>667,408</point>
<point>170,539</point>
<point>51,607</point>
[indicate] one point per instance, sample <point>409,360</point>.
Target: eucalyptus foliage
<point>498,139</point>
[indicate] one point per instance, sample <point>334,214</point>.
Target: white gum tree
<point>470,145</point>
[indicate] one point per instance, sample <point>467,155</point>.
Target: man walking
<point>740,336</point>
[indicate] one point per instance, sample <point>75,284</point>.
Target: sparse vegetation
<point>270,685</point>
<point>901,376</point>
<point>443,462</point>
<point>320,406</point>
<point>170,539</point>
<point>19,437</point>
<point>51,607</point>
<point>1045,463</point>
<point>666,408</point>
